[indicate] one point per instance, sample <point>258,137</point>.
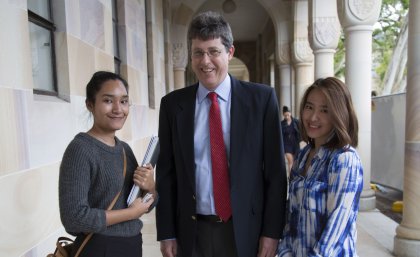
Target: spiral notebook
<point>151,157</point>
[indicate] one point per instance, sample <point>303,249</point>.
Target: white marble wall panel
<point>133,48</point>
<point>81,64</point>
<point>106,3</point>
<point>47,245</point>
<point>137,81</point>
<point>83,119</point>
<point>48,133</point>
<point>136,50</point>
<point>104,60</point>
<point>13,131</point>
<point>62,65</point>
<point>133,27</point>
<point>134,15</point>
<point>15,55</point>
<point>18,3</point>
<point>92,23</point>
<point>132,77</point>
<point>29,209</point>
<point>139,148</point>
<point>125,133</point>
<point>108,31</point>
<point>144,77</point>
<point>144,121</point>
<point>156,55</point>
<point>73,21</point>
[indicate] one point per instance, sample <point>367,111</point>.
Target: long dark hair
<point>340,107</point>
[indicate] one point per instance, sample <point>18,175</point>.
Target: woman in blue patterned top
<point>327,177</point>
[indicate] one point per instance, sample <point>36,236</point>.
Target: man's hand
<point>268,247</point>
<point>168,248</point>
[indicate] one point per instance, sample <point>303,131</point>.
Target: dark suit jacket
<point>257,167</point>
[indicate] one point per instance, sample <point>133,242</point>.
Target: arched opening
<point>238,69</point>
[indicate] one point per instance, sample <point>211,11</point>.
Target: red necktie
<point>219,161</point>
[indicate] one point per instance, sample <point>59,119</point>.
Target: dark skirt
<point>110,246</point>
<point>289,148</point>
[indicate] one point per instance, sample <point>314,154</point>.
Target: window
<point>117,59</point>
<point>41,29</point>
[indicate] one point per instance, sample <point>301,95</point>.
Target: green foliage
<point>339,58</point>
<point>386,34</point>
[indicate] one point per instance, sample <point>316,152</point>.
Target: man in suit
<point>196,215</point>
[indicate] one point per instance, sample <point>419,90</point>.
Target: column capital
<point>284,53</point>
<point>358,12</point>
<point>301,51</point>
<point>324,27</point>
<point>324,32</point>
<point>179,56</point>
<point>284,29</point>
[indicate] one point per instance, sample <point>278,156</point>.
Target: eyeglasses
<point>212,53</point>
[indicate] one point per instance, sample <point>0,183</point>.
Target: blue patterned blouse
<point>323,205</point>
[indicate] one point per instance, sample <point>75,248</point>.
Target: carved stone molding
<point>362,9</point>
<point>284,52</point>
<point>358,12</point>
<point>179,55</point>
<point>326,31</point>
<point>302,52</point>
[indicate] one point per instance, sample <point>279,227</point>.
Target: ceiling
<point>247,21</point>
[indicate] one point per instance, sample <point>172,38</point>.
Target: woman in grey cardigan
<point>91,175</point>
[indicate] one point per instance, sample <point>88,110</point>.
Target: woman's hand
<point>138,207</point>
<point>144,178</point>
<point>134,211</point>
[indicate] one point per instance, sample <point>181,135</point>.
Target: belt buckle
<point>219,220</point>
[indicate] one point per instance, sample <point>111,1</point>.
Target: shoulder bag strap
<point>111,205</point>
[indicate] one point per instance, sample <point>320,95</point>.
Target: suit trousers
<point>214,238</point>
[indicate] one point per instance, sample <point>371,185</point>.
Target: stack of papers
<point>151,157</point>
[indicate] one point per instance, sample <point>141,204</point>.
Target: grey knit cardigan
<point>91,174</point>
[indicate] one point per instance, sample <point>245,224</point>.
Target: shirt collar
<point>222,90</point>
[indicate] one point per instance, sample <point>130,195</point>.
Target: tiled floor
<point>151,247</point>
<point>375,235</point>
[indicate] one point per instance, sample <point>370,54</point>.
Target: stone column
<point>285,86</point>
<point>407,240</point>
<point>180,60</point>
<point>324,33</point>
<point>357,18</point>
<point>301,52</point>
<point>283,59</point>
<point>285,74</point>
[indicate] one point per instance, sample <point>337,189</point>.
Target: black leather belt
<point>209,218</point>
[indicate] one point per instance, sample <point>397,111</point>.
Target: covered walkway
<point>50,49</point>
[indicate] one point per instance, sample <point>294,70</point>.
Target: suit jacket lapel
<point>239,125</point>
<point>185,129</point>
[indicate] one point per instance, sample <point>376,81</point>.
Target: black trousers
<point>214,238</point>
<point>110,246</point>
